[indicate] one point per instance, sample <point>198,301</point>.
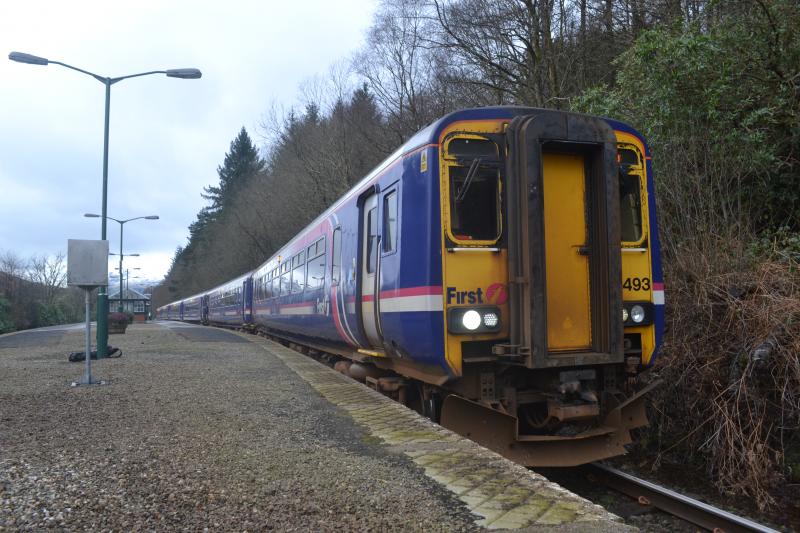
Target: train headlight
<point>637,314</point>
<point>471,320</point>
<point>478,319</point>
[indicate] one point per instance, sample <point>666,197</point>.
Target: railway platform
<point>202,428</point>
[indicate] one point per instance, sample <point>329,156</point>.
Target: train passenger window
<point>475,202</point>
<point>630,198</point>
<point>276,287</point>
<point>299,277</point>
<point>266,287</point>
<point>336,259</point>
<point>321,246</point>
<point>286,282</point>
<point>316,273</point>
<point>372,232</point>
<point>390,222</point>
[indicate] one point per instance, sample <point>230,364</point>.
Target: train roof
<point>235,282</point>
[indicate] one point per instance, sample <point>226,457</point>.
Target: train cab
<point>551,286</point>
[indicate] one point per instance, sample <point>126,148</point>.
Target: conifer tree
<point>242,162</point>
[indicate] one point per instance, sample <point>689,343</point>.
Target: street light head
<point>91,215</point>
<point>133,255</point>
<point>152,217</point>
<point>19,57</point>
<point>184,73</point>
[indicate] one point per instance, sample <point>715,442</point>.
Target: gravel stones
<point>194,435</point>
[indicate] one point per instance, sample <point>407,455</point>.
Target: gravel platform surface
<point>194,434</point>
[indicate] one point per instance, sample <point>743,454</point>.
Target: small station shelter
<point>133,301</point>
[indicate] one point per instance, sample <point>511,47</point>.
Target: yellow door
<point>567,269</point>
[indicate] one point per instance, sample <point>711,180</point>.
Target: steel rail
<point>689,509</point>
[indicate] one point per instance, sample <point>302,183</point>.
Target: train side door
<point>246,301</point>
<point>369,254</point>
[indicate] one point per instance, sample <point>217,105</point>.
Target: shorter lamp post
<point>121,255</point>
<point>128,277</point>
<point>122,279</point>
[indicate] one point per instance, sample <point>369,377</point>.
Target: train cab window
<point>474,203</point>
<point>474,189</point>
<point>467,148</point>
<point>390,222</point>
<point>372,242</point>
<point>630,198</point>
<point>336,259</point>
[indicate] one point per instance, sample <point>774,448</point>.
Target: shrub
<point>731,368</point>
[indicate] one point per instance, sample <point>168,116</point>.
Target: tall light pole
<point>183,73</point>
<point>121,255</point>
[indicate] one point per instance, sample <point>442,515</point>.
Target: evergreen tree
<point>242,162</point>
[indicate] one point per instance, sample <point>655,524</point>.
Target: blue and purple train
<point>499,272</point>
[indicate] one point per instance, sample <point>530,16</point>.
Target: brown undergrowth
<point>731,370</point>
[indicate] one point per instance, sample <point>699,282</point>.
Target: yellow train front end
<point>547,284</point>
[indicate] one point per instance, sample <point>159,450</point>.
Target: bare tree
<point>400,66</point>
<point>50,273</point>
<point>12,269</point>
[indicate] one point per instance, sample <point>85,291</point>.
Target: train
<point>499,272</point>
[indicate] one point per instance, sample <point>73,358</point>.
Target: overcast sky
<point>167,135</point>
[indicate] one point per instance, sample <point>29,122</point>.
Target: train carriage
<point>195,309</point>
<point>499,272</point>
<point>230,304</point>
<point>171,311</point>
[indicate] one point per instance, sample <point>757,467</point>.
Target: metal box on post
<point>87,263</point>
<point>87,268</point>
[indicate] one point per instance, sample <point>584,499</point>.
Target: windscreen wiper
<point>473,169</point>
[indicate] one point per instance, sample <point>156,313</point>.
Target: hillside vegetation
<point>714,85</point>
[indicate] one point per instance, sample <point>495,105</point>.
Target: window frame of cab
<point>452,160</point>
<point>639,170</point>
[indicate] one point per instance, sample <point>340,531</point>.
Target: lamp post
<point>128,277</point>
<point>183,73</point>
<point>121,255</point>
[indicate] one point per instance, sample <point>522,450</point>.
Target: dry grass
<point>731,364</point>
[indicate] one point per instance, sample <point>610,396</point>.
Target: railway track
<point>671,502</point>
